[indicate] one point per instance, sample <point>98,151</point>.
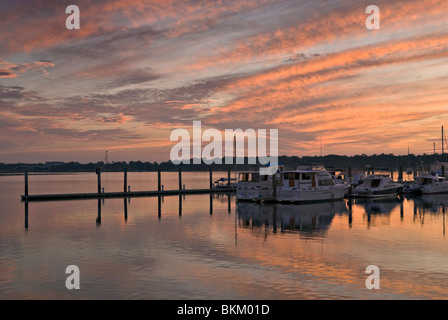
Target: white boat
<point>252,186</point>
<point>431,184</point>
<point>309,183</point>
<point>376,186</point>
<point>223,183</point>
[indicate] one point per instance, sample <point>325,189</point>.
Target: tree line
<point>341,162</point>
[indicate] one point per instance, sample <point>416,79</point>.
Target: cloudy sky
<point>136,70</point>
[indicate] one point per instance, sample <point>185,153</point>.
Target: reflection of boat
<point>378,205</point>
<point>431,202</point>
<point>378,186</point>
<point>429,183</point>
<point>309,183</point>
<point>304,218</point>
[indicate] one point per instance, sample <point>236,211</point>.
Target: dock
<point>105,195</point>
<point>126,193</point>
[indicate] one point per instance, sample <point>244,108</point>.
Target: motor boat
<point>253,186</point>
<point>309,183</point>
<point>375,186</point>
<point>429,183</point>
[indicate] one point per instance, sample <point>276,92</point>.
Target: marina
<point>211,246</point>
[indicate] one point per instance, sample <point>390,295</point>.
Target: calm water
<point>187,248</point>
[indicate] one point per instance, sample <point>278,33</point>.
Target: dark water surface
<point>187,248</point>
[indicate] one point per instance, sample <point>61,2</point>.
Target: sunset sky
<point>136,70</point>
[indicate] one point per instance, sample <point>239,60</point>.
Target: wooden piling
<point>443,171</point>
<point>180,179</point>
<point>159,181</point>
<point>211,179</point>
<point>125,180</point>
<point>26,182</point>
<point>228,177</point>
<point>98,173</point>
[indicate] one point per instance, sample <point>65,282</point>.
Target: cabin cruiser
<point>309,183</point>
<point>429,183</point>
<point>375,186</point>
<point>253,186</point>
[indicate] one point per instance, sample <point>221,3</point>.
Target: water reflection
<point>379,208</point>
<point>127,200</point>
<point>309,220</point>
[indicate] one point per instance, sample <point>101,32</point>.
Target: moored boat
<point>309,183</point>
<point>376,186</point>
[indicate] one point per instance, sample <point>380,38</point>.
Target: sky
<point>137,70</point>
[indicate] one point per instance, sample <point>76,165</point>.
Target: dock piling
<point>211,179</point>
<point>159,185</point>
<point>180,179</point>
<point>98,173</point>
<point>125,180</point>
<point>26,182</point>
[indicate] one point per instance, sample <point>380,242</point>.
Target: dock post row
<point>126,189</point>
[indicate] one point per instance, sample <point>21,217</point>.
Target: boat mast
<point>442,145</point>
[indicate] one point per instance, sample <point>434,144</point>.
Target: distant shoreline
<point>341,163</point>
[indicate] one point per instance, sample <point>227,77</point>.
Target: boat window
<point>306,176</point>
<point>255,177</point>
<point>264,177</point>
<point>326,182</point>
<point>243,177</point>
<point>375,183</point>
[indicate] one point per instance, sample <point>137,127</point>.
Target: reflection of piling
<point>26,215</point>
<point>228,177</point>
<point>125,209</point>
<point>211,203</point>
<point>180,205</point>
<point>98,219</point>
<point>159,207</point>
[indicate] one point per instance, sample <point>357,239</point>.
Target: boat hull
<point>377,193</point>
<point>311,194</point>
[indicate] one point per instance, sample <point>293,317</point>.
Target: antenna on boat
<point>442,144</point>
<point>234,150</point>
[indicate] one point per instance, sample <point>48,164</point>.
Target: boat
<point>375,186</point>
<point>309,183</point>
<point>252,186</point>
<point>429,183</point>
<point>223,183</point>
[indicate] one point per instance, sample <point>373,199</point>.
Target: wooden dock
<point>126,193</point>
<point>105,195</point>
